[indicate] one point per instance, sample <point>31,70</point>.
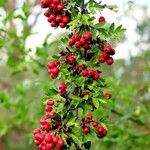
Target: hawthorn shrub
<point>72,116</point>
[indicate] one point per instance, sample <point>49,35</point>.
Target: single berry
<point>62,25</point>
<point>71,42</point>
<point>59,18</point>
<point>55,139</point>
<point>50,102</point>
<point>77,44</point>
<point>102,19</point>
<point>51,64</point>
<point>109,61</point>
<point>76,37</point>
<point>48,138</point>
<point>86,130</point>
<point>95,124</point>
<point>89,116</point>
<point>71,60</point>
<point>60,7</point>
<point>56,2</point>
<point>87,36</point>
<point>51,18</point>
<point>84,73</point>
<point>96,75</point>
<point>62,86</point>
<point>53,24</point>
<point>65,19</point>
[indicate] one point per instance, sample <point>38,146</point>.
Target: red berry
<point>86,46</point>
<point>91,72</point>
<point>49,146</point>
<point>55,70</point>
<point>47,13</point>
<point>100,129</point>
<point>77,44</point>
<point>51,18</point>
<point>50,114</point>
<point>65,19</point>
<point>76,37</point>
<point>102,58</point>
<point>43,121</point>
<point>89,116</point>
<point>84,73</point>
<point>56,1</point>
<point>60,7</point>
<point>39,137</point>
<point>62,86</point>
<point>36,131</point>
<point>51,65</point>
<point>105,132</point>
<point>96,75</point>
<point>62,25</point>
<point>59,18</point>
<point>109,61</point>
<point>55,139</point>
<point>50,102</point>
<point>37,142</point>
<point>71,60</point>
<point>95,123</point>
<point>87,36</point>
<point>82,41</point>
<point>86,130</point>
<point>53,24</point>
<point>107,95</point>
<point>107,49</point>
<point>112,52</point>
<point>44,3</point>
<point>53,76</point>
<point>101,19</point>
<point>48,138</point>
<point>71,42</point>
<point>48,108</point>
<point>60,143</point>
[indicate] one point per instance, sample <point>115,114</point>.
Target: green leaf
<point>99,25</point>
<point>96,103</point>
<point>76,139</point>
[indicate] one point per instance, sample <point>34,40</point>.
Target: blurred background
<point>26,44</point>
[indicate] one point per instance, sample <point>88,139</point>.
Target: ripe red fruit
<point>39,136</point>
<point>84,73</point>
<point>86,46</point>
<point>60,7</point>
<point>105,132</point>
<point>107,95</point>
<point>82,41</point>
<point>62,86</point>
<point>87,36</point>
<point>43,121</point>
<point>77,44</point>
<point>60,143</point>
<point>51,64</point>
<point>53,24</point>
<point>49,146</point>
<point>37,142</point>
<point>71,42</point>
<point>51,18</point>
<point>50,102</point>
<point>47,13</point>
<point>91,72</point>
<point>101,59</point>
<point>44,3</point>
<point>55,70</point>
<point>102,19</point>
<point>62,25</point>
<point>86,130</point>
<point>50,114</point>
<point>100,129</point>
<point>95,124</point>
<point>48,138</point>
<point>89,116</point>
<point>56,1</point>
<point>36,131</point>
<point>112,52</point>
<point>65,19</point>
<point>48,108</point>
<point>71,60</point>
<point>53,76</point>
<point>96,75</point>
<point>76,37</point>
<point>109,61</point>
<point>107,49</point>
<point>59,18</point>
<point>55,139</point>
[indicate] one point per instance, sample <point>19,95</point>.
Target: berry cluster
<point>81,41</point>
<point>91,73</point>
<point>106,55</point>
<point>55,13</point>
<point>101,131</point>
<point>45,137</point>
<point>53,69</point>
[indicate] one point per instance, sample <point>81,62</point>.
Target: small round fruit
<point>87,36</point>
<point>65,19</point>
<point>53,24</point>
<point>89,116</point>
<point>56,2</point>
<point>60,7</point>
<point>77,44</point>
<point>109,61</point>
<point>102,19</point>
<point>51,64</point>
<point>71,42</point>
<point>86,130</point>
<point>62,25</point>
<point>59,18</point>
<point>84,73</point>
<point>95,124</point>
<point>51,18</point>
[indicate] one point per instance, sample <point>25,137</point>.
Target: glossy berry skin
<point>50,102</point>
<point>53,24</point>
<point>77,44</point>
<point>109,61</point>
<point>44,3</point>
<point>101,59</point>
<point>95,124</point>
<point>59,18</point>
<point>60,7</point>
<point>51,18</point>
<point>55,139</point>
<point>91,72</point>
<point>71,42</point>
<point>55,70</point>
<point>76,37</point>
<point>62,25</point>
<point>86,130</point>
<point>102,19</point>
<point>112,52</point>
<point>65,19</point>
<point>96,75</point>
<point>107,49</point>
<point>82,41</point>
<point>62,86</point>
<point>48,138</point>
<point>87,36</point>
<point>84,73</point>
<point>56,2</point>
<point>51,65</point>
<point>48,108</point>
<point>71,60</point>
